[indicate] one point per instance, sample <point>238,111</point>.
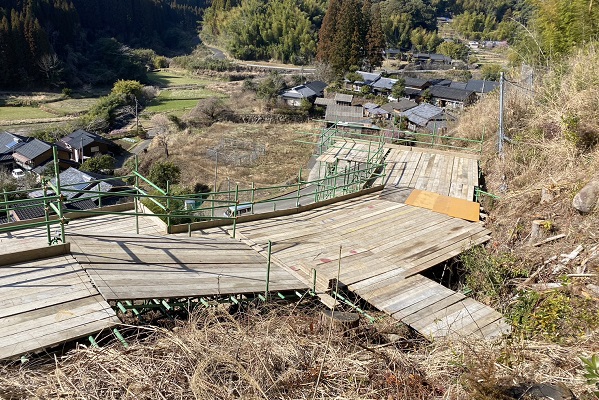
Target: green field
<point>71,106</point>
<point>160,105</point>
<point>22,113</point>
<point>186,94</point>
<point>169,78</point>
<point>180,99</point>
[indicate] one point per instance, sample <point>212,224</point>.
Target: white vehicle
<point>241,210</point>
<point>18,173</point>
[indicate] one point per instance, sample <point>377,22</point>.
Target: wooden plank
<point>56,309</point>
<point>452,323</point>
<point>68,334</point>
<point>44,299</point>
<point>423,316</point>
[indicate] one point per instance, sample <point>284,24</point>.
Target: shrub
<point>99,164</point>
<point>163,172</point>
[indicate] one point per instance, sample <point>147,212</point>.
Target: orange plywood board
<point>423,199</point>
<point>451,206</point>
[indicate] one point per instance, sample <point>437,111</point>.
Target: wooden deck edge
<point>75,215</point>
<point>472,156</point>
<point>182,228</point>
<point>35,254</point>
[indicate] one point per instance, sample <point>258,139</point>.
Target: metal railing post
<point>6,205</point>
<point>57,174</point>
<point>268,270</point>
<point>136,197</point>
<point>299,187</point>
<point>168,205</point>
<point>235,212</point>
<point>46,211</point>
<point>253,196</point>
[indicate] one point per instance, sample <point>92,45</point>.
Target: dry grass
<point>545,155</point>
<point>279,165</point>
<point>276,353</point>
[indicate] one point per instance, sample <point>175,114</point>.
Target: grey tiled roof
<point>72,178</point>
<point>81,138</point>
<point>458,85</point>
<point>415,83</point>
<point>9,142</point>
<point>368,77</point>
<point>479,86</point>
<point>449,93</point>
<point>384,83</point>
<point>402,104</point>
<point>317,86</point>
<point>33,149</point>
<point>299,92</point>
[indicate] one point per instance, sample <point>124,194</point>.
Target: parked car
<point>18,173</point>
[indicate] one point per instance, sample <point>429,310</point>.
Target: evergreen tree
<point>375,40</point>
<point>326,34</point>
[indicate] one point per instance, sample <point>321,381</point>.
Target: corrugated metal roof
<point>423,113</point>
<point>344,98</point>
<point>340,113</point>
<point>321,101</point>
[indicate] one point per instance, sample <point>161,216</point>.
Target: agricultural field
<point>70,106</point>
<point>179,99</point>
<point>23,113</point>
<point>179,93</point>
<point>169,78</point>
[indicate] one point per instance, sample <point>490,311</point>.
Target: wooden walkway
<point>47,302</point>
<point>35,238</point>
<point>446,173</point>
<point>384,247</point>
<point>140,267</point>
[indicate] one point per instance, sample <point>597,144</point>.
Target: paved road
<point>219,55</point>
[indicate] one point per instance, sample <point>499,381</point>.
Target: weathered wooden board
<point>47,302</point>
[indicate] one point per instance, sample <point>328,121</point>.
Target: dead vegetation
<point>284,352</point>
<point>277,162</point>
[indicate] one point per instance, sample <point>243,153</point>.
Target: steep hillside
<point>550,290</point>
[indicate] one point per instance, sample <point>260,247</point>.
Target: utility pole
<point>501,127</point>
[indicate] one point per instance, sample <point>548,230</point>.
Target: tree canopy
<point>72,42</point>
<point>351,34</point>
<point>284,30</point>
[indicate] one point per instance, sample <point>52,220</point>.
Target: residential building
<point>448,97</point>
<point>343,99</point>
<point>481,87</point>
<point>383,86</point>
<point>9,143</point>
<point>34,155</point>
<point>427,117</point>
<point>82,145</point>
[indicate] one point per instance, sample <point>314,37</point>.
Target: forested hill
<point>288,30</point>
<point>82,39</point>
